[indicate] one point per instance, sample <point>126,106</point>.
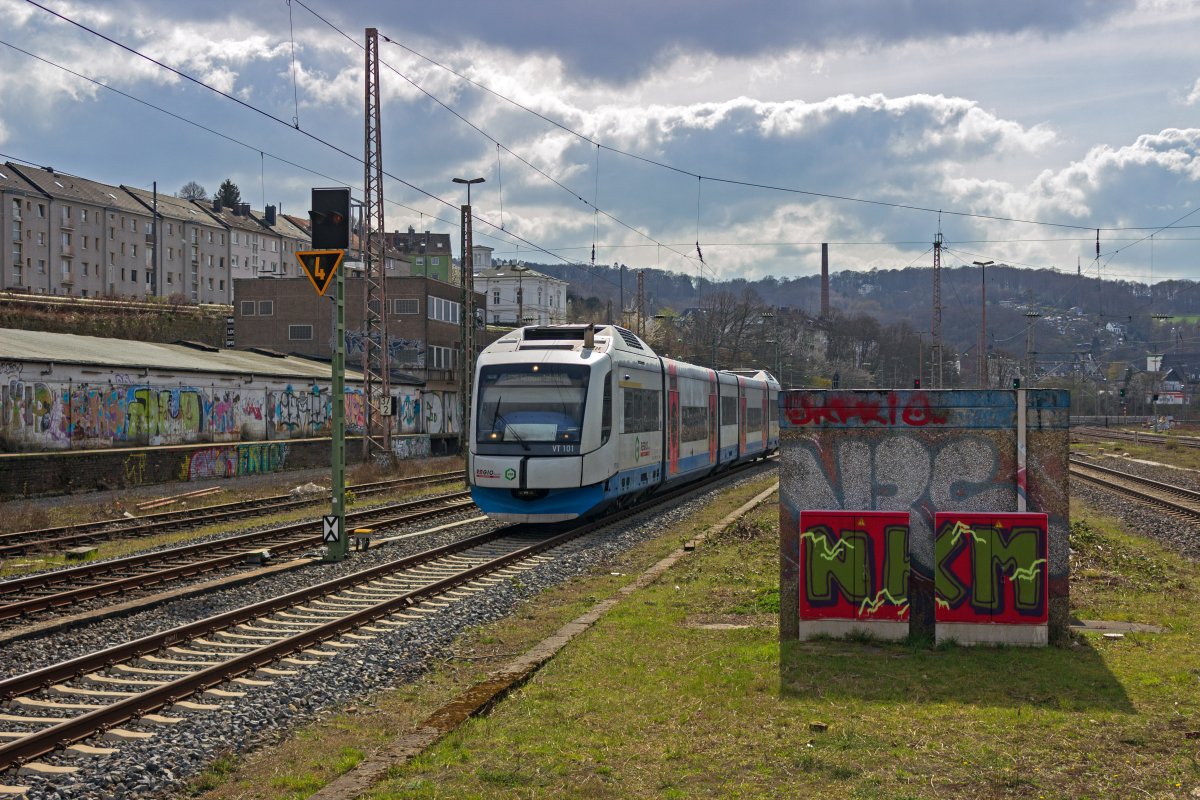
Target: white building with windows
<point>518,295</point>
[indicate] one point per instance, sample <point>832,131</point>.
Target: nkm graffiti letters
<point>989,568</point>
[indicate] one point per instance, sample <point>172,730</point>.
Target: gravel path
<point>177,753</point>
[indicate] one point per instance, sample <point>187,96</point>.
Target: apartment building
<point>429,253</point>
<point>281,240</point>
<point>244,233</point>
<point>25,264</point>
<point>518,295</point>
<point>84,238</point>
<point>193,262</point>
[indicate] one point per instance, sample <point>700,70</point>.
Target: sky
<point>755,129</point>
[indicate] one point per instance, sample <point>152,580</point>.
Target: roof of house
<point>69,348</point>
<point>170,207</point>
<point>70,187</point>
<point>508,272</point>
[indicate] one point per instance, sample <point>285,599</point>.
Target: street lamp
<point>467,316</point>
<point>520,270</point>
<point>983,265</point>
<point>766,315</point>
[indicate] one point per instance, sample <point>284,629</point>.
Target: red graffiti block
<point>854,565</point>
<point>991,568</point>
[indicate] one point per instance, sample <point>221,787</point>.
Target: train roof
<point>605,338</point>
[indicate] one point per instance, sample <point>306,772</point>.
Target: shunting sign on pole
<point>331,529</point>
<point>320,266</point>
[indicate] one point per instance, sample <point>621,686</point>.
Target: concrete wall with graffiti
<point>921,452</point>
<point>114,410</point>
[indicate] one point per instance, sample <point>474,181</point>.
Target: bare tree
<point>193,191</point>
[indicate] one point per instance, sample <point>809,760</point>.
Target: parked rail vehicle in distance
<point>572,420</point>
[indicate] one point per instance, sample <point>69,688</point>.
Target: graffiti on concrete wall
<point>408,412</point>
<point>401,351</point>
<point>44,415</point>
<point>991,568</point>
<point>406,447</point>
<point>854,565</point>
<point>230,461</point>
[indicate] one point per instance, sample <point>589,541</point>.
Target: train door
<point>741,417</point>
<point>672,419</point>
<point>713,430</point>
<point>766,428</point>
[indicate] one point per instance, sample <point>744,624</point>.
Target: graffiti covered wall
<point>121,411</point>
<point>920,453</point>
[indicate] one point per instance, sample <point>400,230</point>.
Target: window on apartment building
<point>112,233</point>
<point>221,285</point>
<point>300,333</point>
<point>222,237</point>
<point>122,273</point>
<point>210,262</point>
<point>170,229</point>
<point>83,215</point>
<point>41,211</point>
<point>83,243</point>
<point>65,266</point>
<point>406,305</point>
<point>132,275</point>
<point>16,209</point>
<point>170,253</point>
<point>266,308</point>
<point>133,247</point>
<point>221,263</point>
<point>210,284</point>
<point>195,254</point>
<point>84,269</point>
<point>195,236</point>
<point>122,248</point>
<point>41,238</point>
<point>233,261</point>
<point>66,215</point>
<point>420,261</point>
<point>235,237</point>
<point>210,237</point>
<point>149,228</point>
<point>96,241</point>
<point>435,260</point>
<point>66,240</point>
<point>133,225</point>
<point>247,308</point>
<point>495,297</point>
<point>170,277</point>
<point>112,258</point>
<point>274,246</point>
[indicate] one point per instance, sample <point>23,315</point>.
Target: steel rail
<point>19,542</point>
<point>1105,479</point>
<point>240,543</point>
<point>79,728</point>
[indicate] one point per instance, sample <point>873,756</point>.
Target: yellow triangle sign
<point>320,266</point>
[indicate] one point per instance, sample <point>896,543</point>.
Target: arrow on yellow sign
<point>320,266</point>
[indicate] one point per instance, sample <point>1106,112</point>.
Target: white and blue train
<point>571,420</point>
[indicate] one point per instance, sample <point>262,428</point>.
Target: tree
<point>193,191</point>
<point>229,194</point>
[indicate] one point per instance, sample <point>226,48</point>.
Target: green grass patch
<point>652,703</point>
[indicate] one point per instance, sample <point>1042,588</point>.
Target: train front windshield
<point>531,403</point>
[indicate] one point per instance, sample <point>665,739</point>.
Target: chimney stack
<point>270,216</point>
<point>824,280</point>
<point>217,205</point>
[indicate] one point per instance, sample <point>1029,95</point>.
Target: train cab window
<point>532,403</point>
<point>606,414</point>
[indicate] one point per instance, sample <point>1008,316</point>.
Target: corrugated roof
<point>69,348</point>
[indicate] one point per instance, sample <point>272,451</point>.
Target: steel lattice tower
<point>377,438</point>
<point>936,329</point>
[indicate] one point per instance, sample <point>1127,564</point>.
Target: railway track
<point>1112,434</point>
<point>65,588</point>
<point>67,536</point>
<point>146,683</point>
<point>1177,501</point>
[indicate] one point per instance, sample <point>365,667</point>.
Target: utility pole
<point>983,376</point>
<point>1030,316</point>
<point>936,328</point>
<point>377,390</point>
<point>641,303</point>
